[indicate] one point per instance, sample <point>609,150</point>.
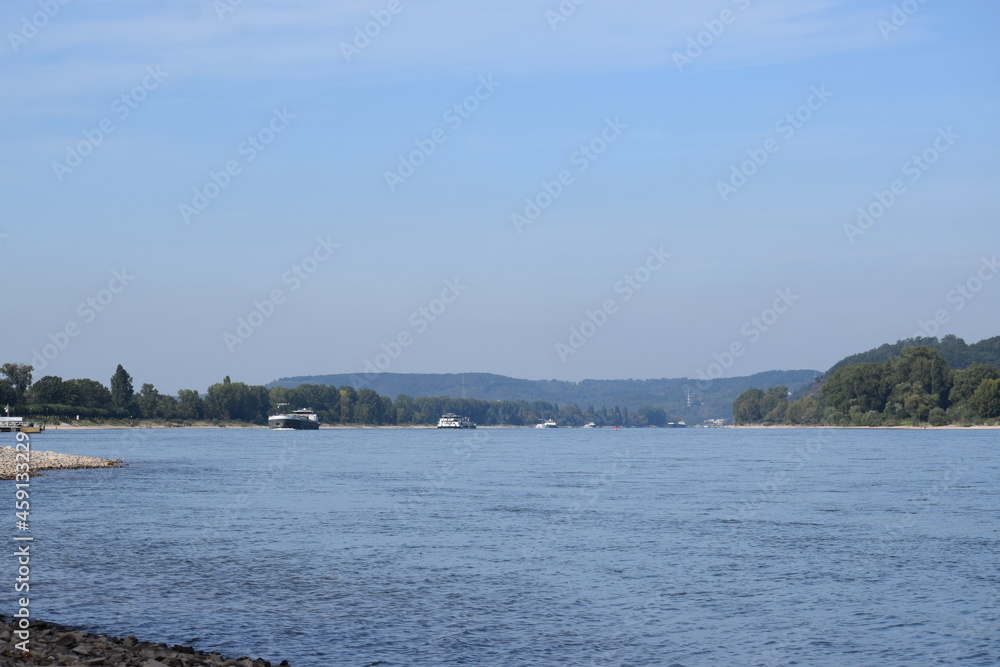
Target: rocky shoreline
<point>40,461</point>
<point>52,644</point>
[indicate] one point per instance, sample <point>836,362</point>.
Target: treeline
<point>51,397</point>
<point>916,387</point>
<point>955,351</point>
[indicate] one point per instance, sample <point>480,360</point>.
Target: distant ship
<point>449,420</point>
<point>590,425</point>
<point>677,425</point>
<point>297,420</point>
<point>547,424</point>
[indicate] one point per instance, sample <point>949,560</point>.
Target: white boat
<point>450,420</point>
<point>297,420</point>
<point>590,425</point>
<point>547,424</point>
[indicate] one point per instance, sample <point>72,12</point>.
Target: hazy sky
<point>678,169</point>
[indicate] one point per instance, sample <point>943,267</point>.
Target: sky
<point>546,190</point>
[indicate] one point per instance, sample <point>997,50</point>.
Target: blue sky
<point>162,95</point>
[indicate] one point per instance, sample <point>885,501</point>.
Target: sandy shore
<point>42,460</point>
<point>51,644</point>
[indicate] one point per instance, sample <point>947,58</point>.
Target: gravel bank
<point>52,644</point>
<point>49,461</point>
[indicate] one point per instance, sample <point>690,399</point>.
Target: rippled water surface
<point>530,547</point>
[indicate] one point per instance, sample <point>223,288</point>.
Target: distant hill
<point>955,351</point>
<point>709,399</point>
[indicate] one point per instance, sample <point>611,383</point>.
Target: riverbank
<point>43,460</point>
<point>946,427</point>
<point>53,644</point>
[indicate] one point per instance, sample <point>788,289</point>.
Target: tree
<point>986,399</point>
<point>969,379</point>
<point>746,407</point>
<point>652,416</point>
<point>926,371</point>
<point>86,393</point>
<point>348,397</point>
<point>19,376</point>
<point>774,405</point>
<point>121,389</point>
<point>48,390</point>
<point>863,385</point>
<point>806,410</point>
<point>148,402</point>
<point>236,400</point>
<point>190,405</point>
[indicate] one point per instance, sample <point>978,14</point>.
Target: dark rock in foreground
<point>52,644</point>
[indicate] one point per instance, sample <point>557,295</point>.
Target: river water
<point>529,547</point>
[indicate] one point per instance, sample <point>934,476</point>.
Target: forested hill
<point>952,349</point>
<point>710,399</point>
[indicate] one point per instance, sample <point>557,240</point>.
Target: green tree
<point>121,389</point>
<point>747,407</point>
<point>650,415</point>
<point>368,409</point>
<point>8,394</point>
<point>986,399</point>
<point>969,379</point>
<point>86,393</point>
<point>863,385</point>
<point>938,417</point>
<point>148,402</point>
<point>926,371</point>
<point>404,407</point>
<point>805,411</point>
<point>238,401</point>
<point>348,398</point>
<point>48,390</point>
<point>19,376</point>
<point>190,405</point>
<point>774,405</point>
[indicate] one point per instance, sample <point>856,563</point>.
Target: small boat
<point>450,420</point>
<point>590,425</point>
<point>677,425</point>
<point>18,425</point>
<point>297,420</point>
<point>547,424</point>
